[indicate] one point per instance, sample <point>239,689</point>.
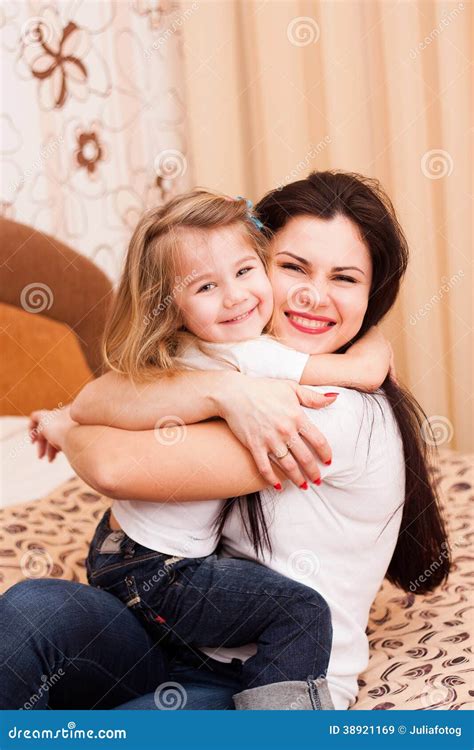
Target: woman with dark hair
<point>338,259</point>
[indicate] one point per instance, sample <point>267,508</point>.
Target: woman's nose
<point>307,297</point>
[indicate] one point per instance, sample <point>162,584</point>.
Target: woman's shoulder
<point>355,410</point>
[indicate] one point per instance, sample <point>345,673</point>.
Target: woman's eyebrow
<point>296,257</point>
<point>348,268</point>
<point>308,264</point>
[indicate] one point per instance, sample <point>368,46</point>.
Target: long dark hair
<point>421,560</point>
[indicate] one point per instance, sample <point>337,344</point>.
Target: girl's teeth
<point>241,317</point>
<point>309,323</point>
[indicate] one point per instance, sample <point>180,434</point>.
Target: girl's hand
<point>48,428</point>
<point>266,416</point>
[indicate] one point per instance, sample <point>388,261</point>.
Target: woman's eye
<point>205,287</point>
<point>346,278</point>
<point>292,267</point>
<point>245,270</point>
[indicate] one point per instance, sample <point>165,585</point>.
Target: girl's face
<point>321,275</point>
<point>229,296</point>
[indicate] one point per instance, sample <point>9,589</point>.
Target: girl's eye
<point>292,267</point>
<point>346,278</point>
<point>245,270</point>
<point>205,287</point>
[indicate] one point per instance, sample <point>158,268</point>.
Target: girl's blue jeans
<point>216,602</point>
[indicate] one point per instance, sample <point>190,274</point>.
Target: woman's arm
<point>207,462</point>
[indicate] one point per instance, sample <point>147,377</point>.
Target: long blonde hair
<point>144,331</point>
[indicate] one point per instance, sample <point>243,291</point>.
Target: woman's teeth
<point>307,323</point>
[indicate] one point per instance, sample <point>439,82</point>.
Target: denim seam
<point>124,564</point>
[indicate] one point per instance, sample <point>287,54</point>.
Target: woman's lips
<point>240,318</point>
<point>310,323</point>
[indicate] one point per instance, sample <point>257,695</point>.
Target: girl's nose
<point>234,295</point>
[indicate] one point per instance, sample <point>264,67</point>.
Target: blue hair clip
<point>250,214</point>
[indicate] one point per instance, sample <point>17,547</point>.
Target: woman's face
<point>321,275</point>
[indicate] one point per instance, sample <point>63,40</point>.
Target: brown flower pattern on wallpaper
<point>89,151</point>
<point>100,112</point>
<point>419,645</point>
<point>59,64</point>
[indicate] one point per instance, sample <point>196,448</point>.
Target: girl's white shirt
<point>187,529</point>
<point>337,538</point>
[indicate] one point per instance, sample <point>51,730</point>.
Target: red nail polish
<point>328,395</point>
<point>317,481</point>
<point>277,486</point>
<point>160,619</point>
<point>328,463</point>
<point>304,486</point>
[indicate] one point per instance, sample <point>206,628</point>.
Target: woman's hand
<point>48,429</point>
<point>266,416</point>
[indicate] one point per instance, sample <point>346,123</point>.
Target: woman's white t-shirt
<point>188,529</point>
<point>339,537</point>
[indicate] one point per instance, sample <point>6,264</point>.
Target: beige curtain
<point>277,88</point>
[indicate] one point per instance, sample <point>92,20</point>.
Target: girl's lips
<point>309,324</point>
<point>239,318</point>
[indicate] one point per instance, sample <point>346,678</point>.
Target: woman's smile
<point>313,324</point>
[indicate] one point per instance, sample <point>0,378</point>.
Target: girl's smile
<point>230,298</point>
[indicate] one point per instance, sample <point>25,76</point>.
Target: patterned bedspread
<point>420,646</point>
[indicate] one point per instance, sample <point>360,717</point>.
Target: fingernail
<point>277,486</point>
<point>317,481</point>
<point>330,395</point>
<point>304,486</point>
<point>328,463</point>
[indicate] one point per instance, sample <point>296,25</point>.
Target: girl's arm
<point>364,366</point>
<point>117,401</point>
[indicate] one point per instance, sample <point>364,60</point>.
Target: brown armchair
<point>53,306</point>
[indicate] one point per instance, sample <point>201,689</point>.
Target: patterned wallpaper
<point>92,118</point>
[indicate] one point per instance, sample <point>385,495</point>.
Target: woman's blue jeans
<point>66,645</point>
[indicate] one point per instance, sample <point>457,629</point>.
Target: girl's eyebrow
<point>308,264</point>
<point>207,274</point>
